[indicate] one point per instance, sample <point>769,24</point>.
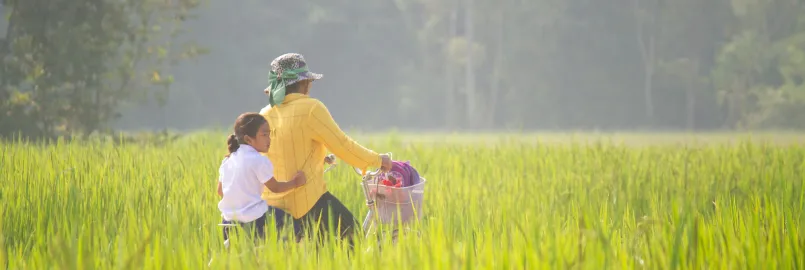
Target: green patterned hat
<point>287,69</point>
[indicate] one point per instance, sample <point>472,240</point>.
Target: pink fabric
<point>403,172</point>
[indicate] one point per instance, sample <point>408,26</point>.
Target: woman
<point>302,130</point>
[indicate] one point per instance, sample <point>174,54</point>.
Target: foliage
<point>562,64</point>
<point>69,64</point>
<point>442,64</point>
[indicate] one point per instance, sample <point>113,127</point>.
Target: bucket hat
<point>287,69</point>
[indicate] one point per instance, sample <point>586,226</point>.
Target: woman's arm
<point>279,187</point>
<point>220,190</point>
<point>326,131</point>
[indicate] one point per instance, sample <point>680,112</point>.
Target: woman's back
<point>293,149</point>
<point>302,130</point>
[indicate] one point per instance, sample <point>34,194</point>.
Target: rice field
<point>515,202</point>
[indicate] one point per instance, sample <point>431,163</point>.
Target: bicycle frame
<point>370,201</point>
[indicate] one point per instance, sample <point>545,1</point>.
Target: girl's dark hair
<point>247,124</point>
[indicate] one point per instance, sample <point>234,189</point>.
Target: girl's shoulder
<point>246,159</point>
<point>224,161</point>
<point>256,160</point>
<point>265,110</point>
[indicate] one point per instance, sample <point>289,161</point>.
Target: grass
<point>503,204</point>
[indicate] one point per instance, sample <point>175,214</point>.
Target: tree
<point>451,113</point>
<point>759,73</point>
<point>4,27</point>
<point>647,27</point>
<point>691,31</point>
<point>70,63</point>
<point>684,74</point>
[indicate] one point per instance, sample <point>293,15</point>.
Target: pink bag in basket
<point>401,175</point>
<point>403,171</point>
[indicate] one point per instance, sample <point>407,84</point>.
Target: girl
<point>244,172</point>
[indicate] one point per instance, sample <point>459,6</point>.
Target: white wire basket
<point>396,204</point>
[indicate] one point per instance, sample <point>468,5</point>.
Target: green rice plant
<point>511,203</point>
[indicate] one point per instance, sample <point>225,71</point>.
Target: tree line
<point>91,65</point>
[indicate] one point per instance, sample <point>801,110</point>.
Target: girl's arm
<point>280,187</point>
<point>220,190</point>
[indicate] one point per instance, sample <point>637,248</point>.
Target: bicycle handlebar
<point>331,160</point>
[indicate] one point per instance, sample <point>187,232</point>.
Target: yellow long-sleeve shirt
<point>302,129</point>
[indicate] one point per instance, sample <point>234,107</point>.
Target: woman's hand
<point>329,159</point>
<point>386,163</point>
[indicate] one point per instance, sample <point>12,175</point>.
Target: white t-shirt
<point>242,176</point>
<point>265,109</point>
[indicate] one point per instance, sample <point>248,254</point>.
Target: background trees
<point>458,64</point>
<point>68,64</point>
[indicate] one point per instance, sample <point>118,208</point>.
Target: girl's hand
<point>299,179</point>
